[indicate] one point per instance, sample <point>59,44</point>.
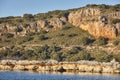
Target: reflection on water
<point>56,76</point>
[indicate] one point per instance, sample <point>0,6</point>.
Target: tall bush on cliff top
<point>28,17</point>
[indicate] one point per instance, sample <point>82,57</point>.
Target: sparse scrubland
<point>63,35</point>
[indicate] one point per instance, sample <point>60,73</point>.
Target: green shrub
<point>86,40</point>
<point>29,55</point>
<point>67,26</point>
<point>74,50</point>
<point>17,54</point>
<point>116,57</point>
<point>31,34</point>
<point>54,49</point>
<point>101,41</point>
<point>115,21</point>
<point>56,56</point>
<point>27,38</point>
<point>63,14</point>
<point>18,29</point>
<point>43,32</point>
<point>43,37</point>
<point>83,55</point>
<point>8,35</point>
<point>61,34</point>
<point>116,42</point>
<point>49,26</point>
<point>72,35</point>
<point>24,39</point>
<point>42,52</point>
<point>102,56</point>
<point>28,16</point>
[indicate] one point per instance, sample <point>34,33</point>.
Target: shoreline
<point>54,66</point>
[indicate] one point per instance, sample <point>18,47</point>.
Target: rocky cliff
<point>92,21</point>
<point>81,66</point>
<point>95,20</point>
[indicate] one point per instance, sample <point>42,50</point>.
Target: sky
<point>20,7</point>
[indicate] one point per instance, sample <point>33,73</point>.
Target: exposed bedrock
<point>81,66</point>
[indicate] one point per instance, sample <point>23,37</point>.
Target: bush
<point>67,26</point>
<point>102,56</point>
<point>18,29</point>
<point>116,57</point>
<point>8,35</point>
<point>115,21</point>
<point>63,14</point>
<point>72,35</point>
<point>49,26</point>
<point>84,56</point>
<point>27,38</point>
<point>42,32</point>
<point>17,54</point>
<point>24,39</point>
<point>116,42</point>
<point>102,41</point>
<point>29,54</point>
<point>30,34</point>
<point>80,56</point>
<point>27,16</point>
<point>54,49</point>
<point>56,56</point>
<point>42,37</point>
<point>61,34</point>
<point>74,50</point>
<point>86,40</point>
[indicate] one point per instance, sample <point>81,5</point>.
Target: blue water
<point>43,76</point>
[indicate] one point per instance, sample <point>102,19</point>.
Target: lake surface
<point>53,76</point>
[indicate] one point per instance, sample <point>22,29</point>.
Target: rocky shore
<point>51,65</point>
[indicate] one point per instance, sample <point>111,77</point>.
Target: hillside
<point>87,33</point>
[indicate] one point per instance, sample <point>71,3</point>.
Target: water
<point>47,76</point>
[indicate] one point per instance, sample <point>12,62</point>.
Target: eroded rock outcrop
<point>41,23</point>
<point>80,66</point>
<point>98,27</point>
<point>56,23</point>
<point>92,19</point>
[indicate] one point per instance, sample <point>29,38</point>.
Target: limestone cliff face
<point>41,23</point>
<point>56,23</point>
<point>85,19</point>
<point>99,29</point>
<point>34,26</point>
<point>77,17</point>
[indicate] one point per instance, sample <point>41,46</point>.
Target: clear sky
<point>20,7</point>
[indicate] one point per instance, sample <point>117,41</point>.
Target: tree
<point>28,17</point>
